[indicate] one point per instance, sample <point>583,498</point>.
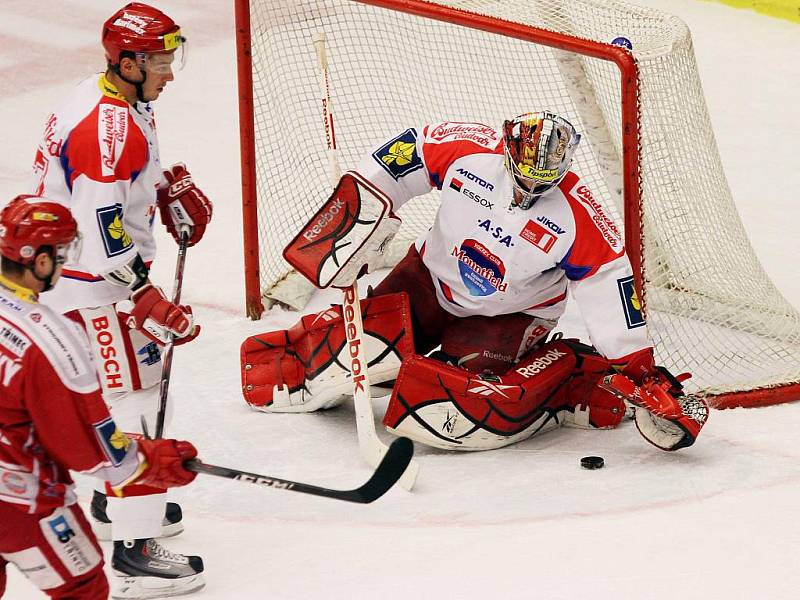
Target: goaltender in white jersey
<point>516,233</point>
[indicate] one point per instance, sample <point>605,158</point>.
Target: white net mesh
<point>712,310</point>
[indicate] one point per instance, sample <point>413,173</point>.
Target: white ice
<point>716,521</point>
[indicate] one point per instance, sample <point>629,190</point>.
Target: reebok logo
<point>324,219</point>
<point>540,364</point>
<point>353,344</point>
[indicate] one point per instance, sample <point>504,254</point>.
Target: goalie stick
<point>372,448</point>
<point>390,469</point>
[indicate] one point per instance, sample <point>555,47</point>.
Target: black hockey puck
<point>592,462</point>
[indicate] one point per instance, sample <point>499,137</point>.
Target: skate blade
<point>144,588</point>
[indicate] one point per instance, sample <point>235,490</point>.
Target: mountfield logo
<point>481,271</point>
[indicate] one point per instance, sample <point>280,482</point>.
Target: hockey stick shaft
<point>166,368</point>
<point>372,448</point>
<point>390,469</point>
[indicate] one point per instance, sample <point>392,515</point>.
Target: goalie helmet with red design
<point>31,225</point>
<point>538,153</point>
<point>140,31</point>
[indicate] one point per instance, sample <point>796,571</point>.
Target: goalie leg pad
<point>305,368</point>
<point>448,407</point>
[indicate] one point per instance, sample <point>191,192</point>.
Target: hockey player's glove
<point>150,312</point>
<point>165,460</point>
<point>665,417</point>
<point>181,203</point>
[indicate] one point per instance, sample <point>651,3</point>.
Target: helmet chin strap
<point>47,280</point>
<point>138,85</point>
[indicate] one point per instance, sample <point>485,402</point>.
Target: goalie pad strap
<point>348,232</point>
<point>305,367</point>
<point>448,407</point>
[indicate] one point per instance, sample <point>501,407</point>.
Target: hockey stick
<point>387,473</point>
<point>372,448</point>
<point>166,368</point>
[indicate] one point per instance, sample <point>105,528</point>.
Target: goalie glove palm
<point>667,421</point>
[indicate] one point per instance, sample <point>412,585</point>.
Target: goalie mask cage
<point>710,306</point>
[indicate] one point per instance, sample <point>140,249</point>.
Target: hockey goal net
<point>711,308</point>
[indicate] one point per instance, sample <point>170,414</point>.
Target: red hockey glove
<point>150,312</point>
<point>181,203</point>
<point>666,419</point>
<point>165,460</point>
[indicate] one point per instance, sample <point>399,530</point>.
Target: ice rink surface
<point>716,521</point>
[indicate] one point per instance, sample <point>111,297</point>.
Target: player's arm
<point>99,195</point>
<point>75,428</point>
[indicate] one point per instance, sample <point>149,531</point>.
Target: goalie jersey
<point>99,157</point>
<point>487,257</point>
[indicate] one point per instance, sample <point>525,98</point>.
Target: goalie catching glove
<point>346,237</point>
<point>664,416</point>
<point>150,312</point>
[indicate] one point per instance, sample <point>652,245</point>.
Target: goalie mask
<point>538,153</point>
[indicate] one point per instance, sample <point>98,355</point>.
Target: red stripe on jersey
<point>80,275</point>
<point>597,239</point>
<point>106,145</point>
<point>550,302</point>
<point>444,143</point>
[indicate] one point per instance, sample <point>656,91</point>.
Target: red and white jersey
<point>52,415</point>
<point>487,257</point>
<point>99,157</point>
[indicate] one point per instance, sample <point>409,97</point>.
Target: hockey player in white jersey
<point>516,234</point>
<point>99,156</point>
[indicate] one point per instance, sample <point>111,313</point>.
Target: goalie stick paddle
<point>390,469</point>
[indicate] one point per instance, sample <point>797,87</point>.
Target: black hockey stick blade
<point>391,467</point>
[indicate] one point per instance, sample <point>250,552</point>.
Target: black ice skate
<point>145,569</point>
<point>101,524</point>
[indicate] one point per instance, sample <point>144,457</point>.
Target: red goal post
<point>701,319</point>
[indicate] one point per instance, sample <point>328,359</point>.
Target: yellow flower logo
<point>117,231</point>
<point>635,300</point>
<point>119,440</point>
<point>401,153</point>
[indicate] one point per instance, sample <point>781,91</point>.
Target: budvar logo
<point>325,218</point>
<point>105,341</point>
<point>473,132</point>
<point>112,129</point>
<point>606,226</point>
<point>540,364</point>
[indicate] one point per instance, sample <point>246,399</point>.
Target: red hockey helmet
<point>141,30</point>
<point>29,222</point>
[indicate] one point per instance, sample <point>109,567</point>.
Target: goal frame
<point>631,175</point>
